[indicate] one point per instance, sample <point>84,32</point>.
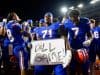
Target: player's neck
<point>76,22</point>
<point>48,24</point>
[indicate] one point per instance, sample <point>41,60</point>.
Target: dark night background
<point>35,9</point>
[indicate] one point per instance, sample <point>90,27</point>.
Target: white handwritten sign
<point>47,52</point>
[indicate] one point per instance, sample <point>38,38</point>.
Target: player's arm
<point>64,34</point>
<point>27,34</point>
<point>33,36</point>
<point>89,36</point>
<point>4,31</point>
<point>88,29</point>
<point>89,33</point>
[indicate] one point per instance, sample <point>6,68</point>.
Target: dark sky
<point>35,8</point>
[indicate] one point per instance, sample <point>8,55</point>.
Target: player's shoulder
<point>16,25</point>
<point>98,28</point>
<point>11,22</point>
<point>84,20</point>
<point>55,25</point>
<point>68,22</point>
<point>37,29</point>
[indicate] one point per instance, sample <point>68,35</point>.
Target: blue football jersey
<point>96,37</point>
<point>14,32</point>
<point>95,44</point>
<point>96,33</point>
<point>77,33</point>
<point>48,32</point>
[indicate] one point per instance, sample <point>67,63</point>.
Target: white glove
<point>67,58</point>
<point>87,43</point>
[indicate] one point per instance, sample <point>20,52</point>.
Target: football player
<point>95,45</point>
<point>3,52</point>
<point>14,33</point>
<point>78,28</point>
<point>51,31</point>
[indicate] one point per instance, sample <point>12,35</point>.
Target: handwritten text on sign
<point>47,52</point>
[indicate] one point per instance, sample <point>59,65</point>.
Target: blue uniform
<point>34,32</point>
<point>15,37</point>
<point>95,44</point>
<point>49,32</point>
<point>26,33</point>
<point>3,50</point>
<point>14,33</point>
<point>77,35</point>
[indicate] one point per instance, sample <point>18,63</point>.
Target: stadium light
<point>94,1</point>
<point>80,6</point>
<point>64,10</point>
<point>72,7</point>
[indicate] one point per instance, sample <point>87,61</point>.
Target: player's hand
<point>29,45</point>
<point>87,43</point>
<point>67,58</point>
